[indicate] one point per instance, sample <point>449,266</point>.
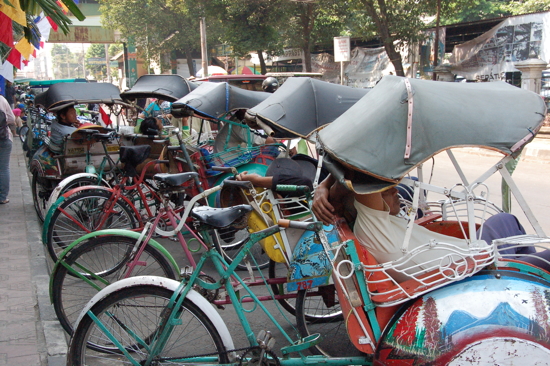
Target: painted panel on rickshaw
<point>48,165</point>
<point>310,266</point>
<point>482,320</point>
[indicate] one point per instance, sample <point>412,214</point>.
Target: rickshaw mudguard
<point>44,162</point>
<point>489,317</point>
<point>113,232</point>
<point>310,266</point>
<point>251,168</point>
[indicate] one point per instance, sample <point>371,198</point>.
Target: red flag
<point>14,58</point>
<point>104,117</point>
<point>26,62</point>
<point>53,24</point>
<point>6,30</point>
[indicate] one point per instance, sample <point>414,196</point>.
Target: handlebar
<point>292,188</point>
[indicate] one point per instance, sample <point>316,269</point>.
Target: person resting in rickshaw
<point>239,134</point>
<point>381,231</point>
<point>65,124</point>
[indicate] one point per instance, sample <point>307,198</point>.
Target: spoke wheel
<point>137,312</point>
<point>84,213</point>
<point>106,257</point>
<point>322,314</point>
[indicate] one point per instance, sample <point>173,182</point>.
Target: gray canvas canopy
<point>378,137</point>
<point>165,87</point>
<point>213,100</point>
<point>302,104</point>
<point>62,95</point>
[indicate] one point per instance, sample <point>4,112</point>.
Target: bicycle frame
<point>225,271</point>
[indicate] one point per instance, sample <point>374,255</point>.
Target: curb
<point>54,337</point>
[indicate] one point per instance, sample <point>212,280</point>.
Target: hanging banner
<point>367,66</point>
<point>490,56</point>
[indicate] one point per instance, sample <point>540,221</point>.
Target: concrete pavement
<point>29,331</point>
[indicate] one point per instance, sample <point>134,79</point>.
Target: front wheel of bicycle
<point>321,313</point>
<point>105,257</point>
<point>135,313</point>
<point>229,242</point>
<point>84,213</point>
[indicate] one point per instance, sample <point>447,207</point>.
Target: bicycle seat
<point>175,180</point>
<point>220,217</point>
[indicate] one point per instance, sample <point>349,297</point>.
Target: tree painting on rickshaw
<point>440,324</point>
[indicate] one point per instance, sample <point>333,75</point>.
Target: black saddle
<point>220,217</point>
<point>175,180</point>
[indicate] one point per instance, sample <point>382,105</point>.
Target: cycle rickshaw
<point>477,305</point>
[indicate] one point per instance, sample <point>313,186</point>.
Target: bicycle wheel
<point>41,190</point>
<point>106,257</point>
<point>229,242</point>
<point>137,312</point>
<point>84,213</point>
<point>23,131</point>
<point>322,314</point>
<point>73,183</point>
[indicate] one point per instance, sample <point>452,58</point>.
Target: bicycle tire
<point>79,215</point>
<point>74,183</point>
<point>279,289</point>
<point>23,131</point>
<point>105,256</point>
<point>196,336</point>
<point>313,315</point>
<point>41,190</point>
<point>228,242</point>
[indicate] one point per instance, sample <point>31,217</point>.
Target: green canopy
<point>376,136</point>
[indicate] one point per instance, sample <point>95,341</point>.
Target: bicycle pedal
<point>265,339</point>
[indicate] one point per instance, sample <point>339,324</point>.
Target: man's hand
<point>321,207</point>
<point>255,179</point>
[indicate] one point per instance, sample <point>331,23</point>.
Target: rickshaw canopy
<point>212,100</point>
<point>403,122</point>
<point>303,104</point>
<point>166,87</point>
<point>62,95</point>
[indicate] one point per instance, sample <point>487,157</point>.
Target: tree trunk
<point>382,24</point>
<point>307,26</point>
<point>189,59</point>
<point>263,68</point>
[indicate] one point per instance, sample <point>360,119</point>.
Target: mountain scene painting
<point>442,323</point>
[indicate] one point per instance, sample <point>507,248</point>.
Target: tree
<point>63,61</point>
<point>527,6</point>
<point>251,25</point>
<point>314,22</point>
<point>156,26</point>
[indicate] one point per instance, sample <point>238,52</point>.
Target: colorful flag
<point>6,30</point>
<point>63,7</point>
<point>53,24</point>
<point>14,12</point>
<point>25,48</point>
<point>104,117</point>
<point>14,58</point>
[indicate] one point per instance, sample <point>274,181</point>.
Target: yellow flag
<point>14,12</point>
<point>25,48</point>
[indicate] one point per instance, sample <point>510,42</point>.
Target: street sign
<point>95,61</point>
<point>342,49</point>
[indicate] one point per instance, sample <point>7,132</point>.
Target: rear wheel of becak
<point>41,190</point>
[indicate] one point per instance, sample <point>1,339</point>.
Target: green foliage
<point>65,63</point>
<point>527,6</point>
<point>460,11</point>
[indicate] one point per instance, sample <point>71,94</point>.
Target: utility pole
<point>204,54</point>
<point>107,63</point>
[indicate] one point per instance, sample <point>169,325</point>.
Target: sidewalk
<point>29,331</point>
